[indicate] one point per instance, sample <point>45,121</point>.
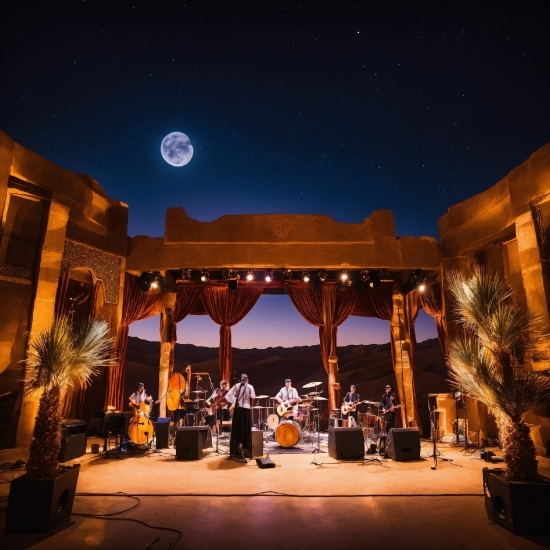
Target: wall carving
<point>106,267</point>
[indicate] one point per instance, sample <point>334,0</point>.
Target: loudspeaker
<point>520,507</point>
<point>257,443</point>
<point>162,429</point>
<point>73,439</point>
<point>191,441</point>
<point>346,443</point>
<point>265,462</point>
<point>403,444</point>
<point>36,505</point>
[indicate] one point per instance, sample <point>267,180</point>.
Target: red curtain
<point>377,302</point>
<point>187,296</point>
<point>226,308</point>
<point>433,305</point>
<point>137,305</point>
<point>327,308</point>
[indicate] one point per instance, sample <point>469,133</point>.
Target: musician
<point>220,407</point>
<point>242,396</point>
<point>388,402</point>
<point>351,400</point>
<point>288,396</point>
<point>140,396</point>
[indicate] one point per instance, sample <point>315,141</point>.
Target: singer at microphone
<point>241,396</point>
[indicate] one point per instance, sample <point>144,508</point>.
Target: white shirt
<point>246,395</point>
<point>138,397</point>
<point>286,394</point>
<point>214,395</point>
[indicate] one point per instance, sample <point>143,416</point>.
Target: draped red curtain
<point>226,308</point>
<point>433,305</point>
<point>137,305</point>
<point>327,308</point>
<point>187,296</point>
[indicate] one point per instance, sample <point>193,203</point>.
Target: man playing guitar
<point>349,407</point>
<point>218,405</point>
<point>389,406</point>
<point>288,398</point>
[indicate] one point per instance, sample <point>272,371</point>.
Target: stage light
<point>225,274</point>
<point>344,275</point>
<point>287,274</point>
<point>232,275</point>
<point>322,275</point>
<point>416,278</point>
<point>364,275</point>
<point>268,277</point>
<point>374,279</point>
<point>185,275</point>
<point>205,276</point>
<point>250,275</point>
<point>151,281</point>
<point>305,276</point>
<point>421,287</point>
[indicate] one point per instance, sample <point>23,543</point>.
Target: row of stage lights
<point>371,278</point>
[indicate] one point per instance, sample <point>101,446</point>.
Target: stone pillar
<point>533,282</point>
<point>403,361</point>
<point>49,269</point>
<point>166,363</point>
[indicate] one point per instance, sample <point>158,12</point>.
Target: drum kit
<point>371,420</point>
<point>287,433</point>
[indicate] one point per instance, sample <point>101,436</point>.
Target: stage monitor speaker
<point>191,442</point>
<point>346,443</point>
<point>162,430</point>
<point>73,439</point>
<point>403,444</point>
<point>257,443</point>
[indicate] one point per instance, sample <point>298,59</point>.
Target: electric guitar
<point>285,408</point>
<point>350,406</point>
<point>391,409</point>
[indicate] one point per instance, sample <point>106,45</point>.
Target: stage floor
<point>308,500</point>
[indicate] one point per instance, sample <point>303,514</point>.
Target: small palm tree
<point>60,357</point>
<point>484,363</point>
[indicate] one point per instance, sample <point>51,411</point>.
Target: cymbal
<point>314,409</point>
<point>373,402</point>
<point>258,407</point>
<point>319,398</point>
<point>261,396</point>
<point>198,391</point>
<point>311,384</point>
<point>313,393</point>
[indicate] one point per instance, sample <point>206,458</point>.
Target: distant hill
<point>369,367</point>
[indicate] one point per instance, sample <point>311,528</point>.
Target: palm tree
<point>60,357</point>
<point>484,362</point>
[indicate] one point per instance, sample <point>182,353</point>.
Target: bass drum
<point>273,421</point>
<point>287,433</point>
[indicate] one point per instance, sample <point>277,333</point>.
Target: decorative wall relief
<point>106,267</point>
<point>281,228</point>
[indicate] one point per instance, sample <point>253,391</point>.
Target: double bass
<point>140,429</point>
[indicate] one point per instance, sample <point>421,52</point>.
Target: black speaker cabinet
<point>73,439</point>
<point>257,443</point>
<point>191,441</point>
<point>403,444</point>
<point>520,507</point>
<point>346,443</point>
<point>162,429</point>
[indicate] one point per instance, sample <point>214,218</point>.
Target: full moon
<point>176,149</point>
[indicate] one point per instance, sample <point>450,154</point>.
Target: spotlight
<point>225,274</point>
<point>364,275</point>
<point>374,279</point>
<point>232,275</point>
<point>205,276</point>
<point>268,277</point>
<point>249,275</point>
<point>322,275</point>
<point>287,274</point>
<point>185,275</point>
<point>305,276</point>
<point>344,275</point>
<point>421,287</point>
<point>416,278</point>
<point>384,275</point>
<point>151,281</point>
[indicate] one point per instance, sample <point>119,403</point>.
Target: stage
<point>309,500</point>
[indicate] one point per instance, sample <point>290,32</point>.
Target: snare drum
<point>287,433</point>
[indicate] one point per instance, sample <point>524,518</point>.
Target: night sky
<point>334,108</point>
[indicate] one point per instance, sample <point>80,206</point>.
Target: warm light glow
<point>322,275</point>
<point>249,275</point>
<point>268,276</point>
<point>154,285</point>
<point>422,287</point>
<point>305,276</point>
<point>204,276</point>
<point>344,275</point>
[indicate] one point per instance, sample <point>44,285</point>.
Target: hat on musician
<point>223,383</point>
<point>352,386</point>
<point>288,380</point>
<point>388,386</point>
<point>244,376</point>
<point>141,385</point>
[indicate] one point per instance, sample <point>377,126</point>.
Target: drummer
<point>288,397</point>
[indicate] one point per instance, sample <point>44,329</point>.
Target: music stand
<point>114,429</point>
